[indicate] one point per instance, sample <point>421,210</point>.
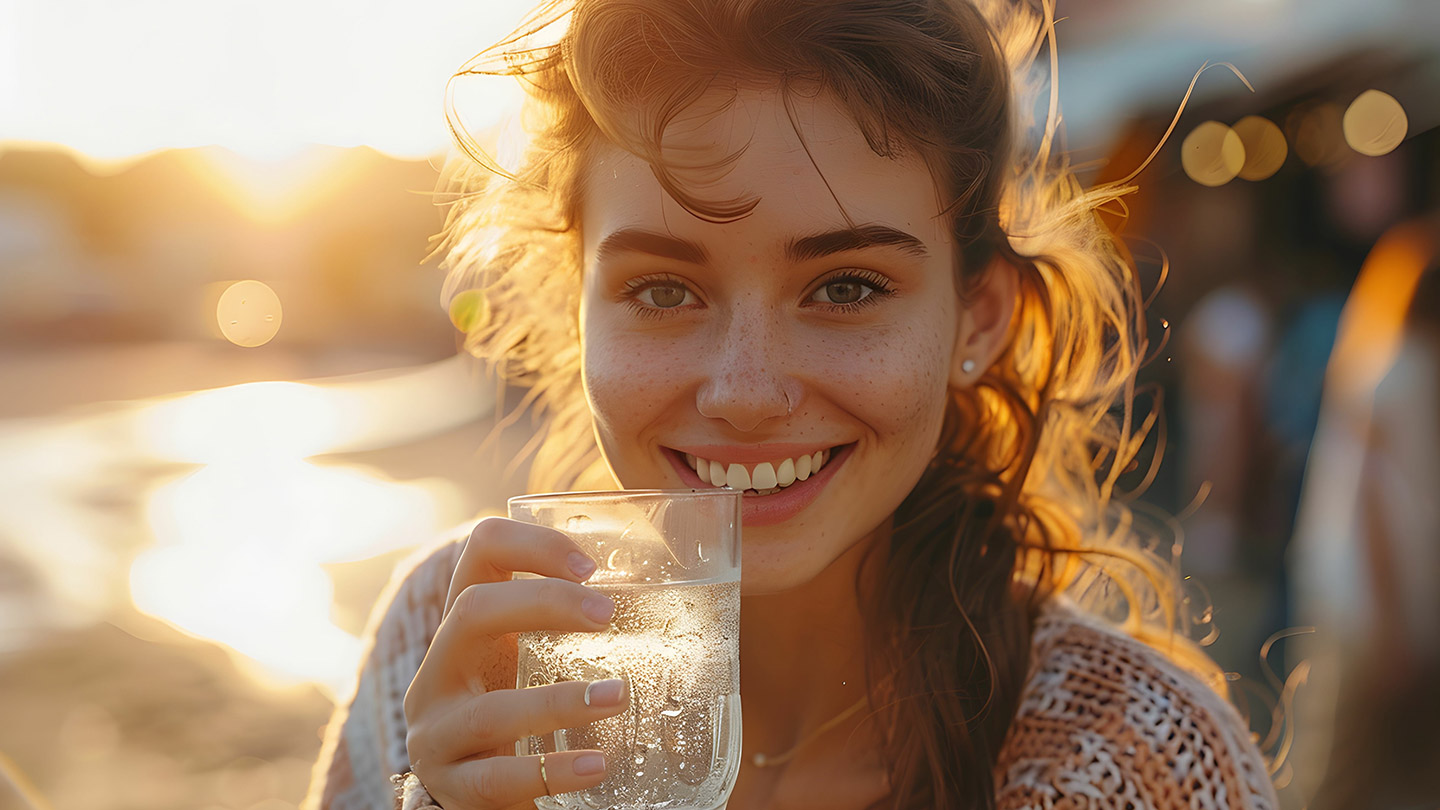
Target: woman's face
<point>791,352</point>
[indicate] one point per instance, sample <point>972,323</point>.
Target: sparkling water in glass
<point>671,562</point>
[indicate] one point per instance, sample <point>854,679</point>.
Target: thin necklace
<point>771,760</point>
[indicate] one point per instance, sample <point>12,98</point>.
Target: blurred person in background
<point>1366,555</point>
<point>827,225</point>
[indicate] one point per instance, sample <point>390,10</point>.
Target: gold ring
<point>544,781</point>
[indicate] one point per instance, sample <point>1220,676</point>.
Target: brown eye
<point>665,296</point>
<point>845,292</point>
<point>842,291</point>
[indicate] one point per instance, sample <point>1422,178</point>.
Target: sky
<point>263,77</point>
<point>117,78</point>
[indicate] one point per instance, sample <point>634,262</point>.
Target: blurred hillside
<point>127,254</point>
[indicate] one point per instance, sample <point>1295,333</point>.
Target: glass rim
<point>622,494</point>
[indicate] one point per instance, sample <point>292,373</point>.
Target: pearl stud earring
<point>968,366</point>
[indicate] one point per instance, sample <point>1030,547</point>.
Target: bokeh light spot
<point>469,310</point>
<point>1265,147</point>
<point>1375,123</point>
<point>1212,154</point>
<point>248,313</point>
<point>1316,134</point>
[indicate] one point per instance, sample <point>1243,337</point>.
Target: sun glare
<point>273,190</point>
<point>240,543</point>
<point>262,78</point>
<point>245,422</point>
<point>239,549</point>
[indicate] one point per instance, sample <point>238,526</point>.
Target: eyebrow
<point>856,238</point>
<point>636,240</point>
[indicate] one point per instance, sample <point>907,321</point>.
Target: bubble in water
<point>673,740</point>
<point>619,560</point>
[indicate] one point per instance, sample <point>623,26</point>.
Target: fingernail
<point>582,566</point>
<point>589,764</point>
<point>598,608</point>
<point>604,693</point>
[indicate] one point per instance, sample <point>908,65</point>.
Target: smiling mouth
<point>764,478</point>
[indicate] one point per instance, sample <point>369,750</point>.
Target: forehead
<point>801,161</point>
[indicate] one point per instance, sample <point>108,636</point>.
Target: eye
<point>854,288</point>
<point>656,296</point>
<point>665,295</point>
<point>843,291</point>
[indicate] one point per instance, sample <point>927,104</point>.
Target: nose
<point>747,381</point>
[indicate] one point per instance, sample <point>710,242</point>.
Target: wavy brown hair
<point>1020,501</point>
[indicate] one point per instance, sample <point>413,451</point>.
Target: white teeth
<point>737,477</point>
<point>764,478</point>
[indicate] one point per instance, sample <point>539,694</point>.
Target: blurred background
<point>230,399</point>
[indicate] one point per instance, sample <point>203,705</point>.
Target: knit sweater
<point>1104,721</point>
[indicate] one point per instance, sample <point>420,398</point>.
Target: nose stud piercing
<point>968,366</point>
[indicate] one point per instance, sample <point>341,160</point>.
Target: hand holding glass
<point>671,562</point>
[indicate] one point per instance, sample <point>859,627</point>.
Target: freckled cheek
<point>631,381</point>
<point>895,382</point>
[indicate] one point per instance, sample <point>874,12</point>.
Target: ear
<point>985,314</point>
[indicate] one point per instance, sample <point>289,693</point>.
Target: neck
<point>802,653</point>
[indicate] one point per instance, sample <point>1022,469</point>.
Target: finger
<point>498,547</point>
<point>527,605</point>
<point>497,719</point>
<point>460,654</point>
<point>496,782</point>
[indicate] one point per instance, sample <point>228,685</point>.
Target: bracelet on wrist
<point>410,794</point>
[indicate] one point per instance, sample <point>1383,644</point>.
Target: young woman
<point>812,250</point>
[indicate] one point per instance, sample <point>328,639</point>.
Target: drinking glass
<point>671,561</point>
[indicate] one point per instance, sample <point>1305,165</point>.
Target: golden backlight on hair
<point>1375,123</point>
<point>248,313</point>
<point>1212,154</point>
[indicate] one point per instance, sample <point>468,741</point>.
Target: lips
<point>769,504</point>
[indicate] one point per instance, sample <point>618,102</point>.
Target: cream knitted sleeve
<point>365,739</point>
<point>1106,722</point>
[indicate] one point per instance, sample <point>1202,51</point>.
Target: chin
<point>771,564</point>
